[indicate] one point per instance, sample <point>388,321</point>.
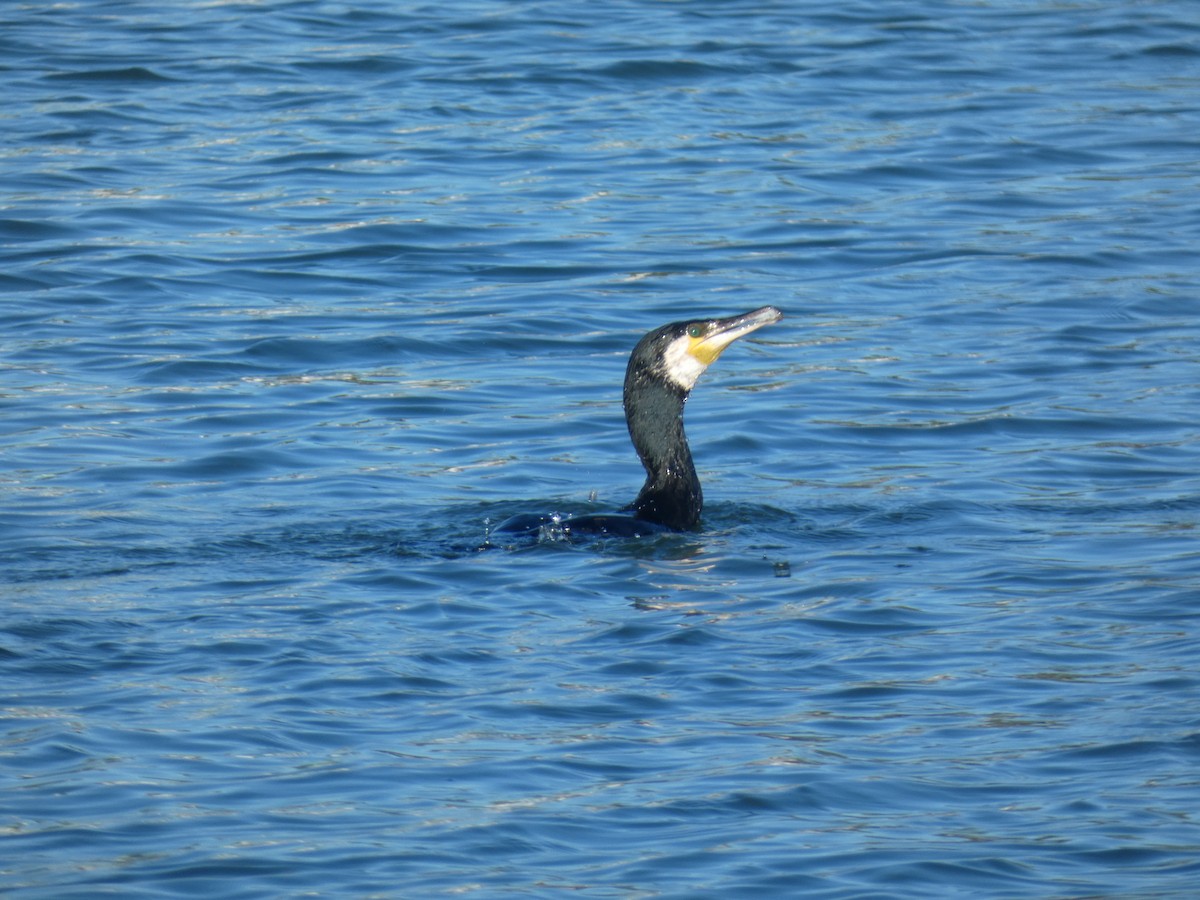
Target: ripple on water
<point>303,303</point>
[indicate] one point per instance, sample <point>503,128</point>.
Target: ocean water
<point>300,299</point>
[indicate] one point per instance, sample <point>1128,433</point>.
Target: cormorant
<point>662,371</point>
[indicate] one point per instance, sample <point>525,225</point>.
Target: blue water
<point>302,298</point>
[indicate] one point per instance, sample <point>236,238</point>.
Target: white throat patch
<point>682,368</point>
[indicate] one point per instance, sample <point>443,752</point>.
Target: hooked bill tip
<point>767,315</point>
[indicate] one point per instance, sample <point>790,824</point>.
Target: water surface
<point>301,298</point>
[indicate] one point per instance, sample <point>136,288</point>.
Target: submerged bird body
<point>662,371</point>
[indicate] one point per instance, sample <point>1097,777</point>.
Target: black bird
<point>662,371</point>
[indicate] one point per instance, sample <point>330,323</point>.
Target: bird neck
<point>671,495</point>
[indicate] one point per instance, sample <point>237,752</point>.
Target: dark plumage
<point>672,495</point>
<point>662,370</point>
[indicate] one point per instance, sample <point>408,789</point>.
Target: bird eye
<point>695,331</point>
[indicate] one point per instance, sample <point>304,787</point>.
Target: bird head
<point>681,351</point>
